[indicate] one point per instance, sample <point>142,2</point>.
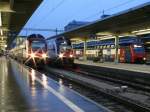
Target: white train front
<point>60,51</point>
<point>32,50</point>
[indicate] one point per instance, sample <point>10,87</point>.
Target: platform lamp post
<point>116,49</point>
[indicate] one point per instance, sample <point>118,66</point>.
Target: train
<point>131,50</point>
<point>31,50</point>
<point>36,50</point>
<point>146,41</point>
<point>60,51</point>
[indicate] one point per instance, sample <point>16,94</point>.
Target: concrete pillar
<point>84,50</point>
<point>116,49</point>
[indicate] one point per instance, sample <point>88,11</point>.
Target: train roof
<point>35,37</point>
<point>122,41</point>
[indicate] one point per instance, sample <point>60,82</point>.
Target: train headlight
<point>61,55</point>
<point>32,55</point>
<point>71,55</point>
<point>144,59</point>
<point>44,55</point>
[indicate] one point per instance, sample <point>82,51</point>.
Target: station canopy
<point>13,16</point>
<point>131,21</point>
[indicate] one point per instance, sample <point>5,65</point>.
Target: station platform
<point>141,68</point>
<point>25,90</point>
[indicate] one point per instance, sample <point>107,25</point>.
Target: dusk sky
<point>53,14</point>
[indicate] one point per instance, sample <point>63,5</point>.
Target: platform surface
<point>26,90</point>
<point>124,66</point>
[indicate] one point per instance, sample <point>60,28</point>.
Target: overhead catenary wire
<point>39,29</point>
<point>43,30</point>
<point>51,11</point>
<point>45,17</point>
<point>109,9</point>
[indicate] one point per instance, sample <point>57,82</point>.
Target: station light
<point>147,42</point>
<point>107,37</point>
<point>0,19</point>
<point>1,31</point>
<point>140,32</point>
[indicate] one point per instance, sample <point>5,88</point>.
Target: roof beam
<point>5,7</point>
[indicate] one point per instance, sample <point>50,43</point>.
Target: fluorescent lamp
<point>139,31</point>
<point>147,42</point>
<point>0,19</point>
<point>1,31</point>
<point>107,37</point>
<point>2,38</point>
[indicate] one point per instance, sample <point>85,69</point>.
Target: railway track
<point>116,102</point>
<point>138,86</point>
<point>123,75</point>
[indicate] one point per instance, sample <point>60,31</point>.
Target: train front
<point>37,51</point>
<point>66,54</point>
<point>138,53</point>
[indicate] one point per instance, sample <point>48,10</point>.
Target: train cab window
<point>65,47</point>
<point>139,49</point>
<point>37,44</point>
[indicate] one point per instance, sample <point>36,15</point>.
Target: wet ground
<point>26,90</point>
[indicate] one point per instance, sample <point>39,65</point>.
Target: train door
<point>128,54</point>
<point>52,49</point>
<point>122,55</point>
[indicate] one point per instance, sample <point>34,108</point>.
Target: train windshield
<point>38,44</point>
<point>65,47</point>
<point>139,49</point>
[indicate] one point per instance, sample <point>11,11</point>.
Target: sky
<point>52,14</point>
